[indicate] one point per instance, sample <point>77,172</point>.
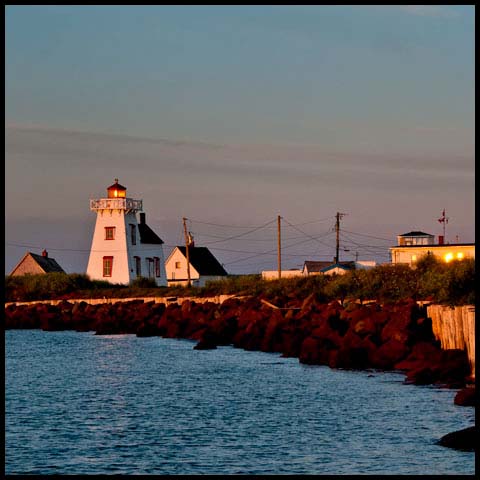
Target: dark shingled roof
<point>316,266</point>
<point>147,235</point>
<point>203,261</point>
<point>415,234</point>
<point>48,264</point>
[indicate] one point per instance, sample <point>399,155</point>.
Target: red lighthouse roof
<point>116,190</point>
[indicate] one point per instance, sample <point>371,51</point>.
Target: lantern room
<point>116,190</point>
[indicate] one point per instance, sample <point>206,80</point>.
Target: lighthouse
<point>124,248</point>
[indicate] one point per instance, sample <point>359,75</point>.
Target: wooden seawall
<point>454,327</point>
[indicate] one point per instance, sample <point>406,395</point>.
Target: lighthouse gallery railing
<point>116,204</point>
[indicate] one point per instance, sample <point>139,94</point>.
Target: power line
<point>372,249</point>
<point>270,239</point>
<point>229,226</point>
<point>50,248</point>
<point>313,221</point>
<point>310,236</point>
<point>241,234</point>
<point>365,235</point>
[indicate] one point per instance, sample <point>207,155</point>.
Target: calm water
<point>77,403</point>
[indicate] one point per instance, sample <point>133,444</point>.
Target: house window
<point>150,267</point>
<point>138,266</point>
<point>109,233</point>
<point>133,234</point>
<point>178,265</point>
<point>157,266</point>
<point>107,266</point>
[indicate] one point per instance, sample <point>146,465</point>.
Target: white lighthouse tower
<point>123,249</point>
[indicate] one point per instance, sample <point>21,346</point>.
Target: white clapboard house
<point>203,266</point>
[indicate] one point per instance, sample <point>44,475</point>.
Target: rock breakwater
<point>395,336</point>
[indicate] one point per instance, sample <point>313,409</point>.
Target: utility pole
<point>337,229</point>
<point>279,248</point>
<point>187,243</point>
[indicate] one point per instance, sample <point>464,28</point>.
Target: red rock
<point>465,439</point>
<point>466,397</point>
<point>309,351</point>
<point>389,354</point>
<point>421,376</point>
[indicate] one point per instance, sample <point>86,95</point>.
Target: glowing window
<point>414,258</point>
<point>460,255</point>
<point>448,257</point>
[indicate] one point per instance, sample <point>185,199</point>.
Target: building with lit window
<point>414,245</point>
<point>123,248</point>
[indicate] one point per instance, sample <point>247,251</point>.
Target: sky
<point>230,116</point>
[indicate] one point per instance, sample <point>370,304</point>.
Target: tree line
<point>430,280</point>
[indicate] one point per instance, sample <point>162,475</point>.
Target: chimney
<point>44,253</point>
<point>440,239</point>
<point>142,218</point>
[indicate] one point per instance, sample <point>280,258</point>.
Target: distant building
<point>273,274</point>
<point>320,267</point>
<point>313,267</point>
<point>203,266</point>
<point>415,238</point>
<point>122,248</point>
<point>32,263</point>
<point>339,268</point>
<point>365,264</point>
<point>414,245</point>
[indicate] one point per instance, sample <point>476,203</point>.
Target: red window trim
<point>111,265</point>
<point>112,229</point>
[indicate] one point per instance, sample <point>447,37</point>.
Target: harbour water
<point>79,403</point>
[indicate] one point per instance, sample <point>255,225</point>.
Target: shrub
<point>143,282</point>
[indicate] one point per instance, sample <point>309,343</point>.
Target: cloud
<point>429,10</point>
